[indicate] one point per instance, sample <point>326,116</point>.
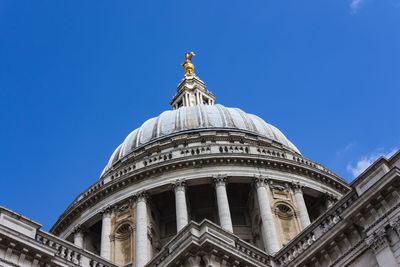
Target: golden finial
<point>188,67</point>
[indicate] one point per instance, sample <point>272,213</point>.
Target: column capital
<point>179,185</point>
<point>78,229</point>
<point>107,211</point>
<point>377,241</point>
<point>261,181</point>
<point>296,187</point>
<point>220,179</point>
<point>142,196</point>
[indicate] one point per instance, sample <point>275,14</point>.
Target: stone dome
<point>197,118</point>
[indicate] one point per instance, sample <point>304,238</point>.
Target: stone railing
<point>296,249</point>
<point>245,248</point>
<point>71,253</point>
<point>315,231</point>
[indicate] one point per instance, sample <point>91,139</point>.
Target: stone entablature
<point>224,149</point>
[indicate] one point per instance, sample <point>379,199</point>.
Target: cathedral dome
<point>194,119</point>
<point>198,164</point>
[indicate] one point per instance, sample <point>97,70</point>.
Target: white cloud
<point>366,161</point>
<point>355,5</point>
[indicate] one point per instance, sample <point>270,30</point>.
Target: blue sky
<point>76,77</point>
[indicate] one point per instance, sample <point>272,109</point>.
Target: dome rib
<point>197,117</point>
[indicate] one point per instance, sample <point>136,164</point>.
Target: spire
<point>191,90</point>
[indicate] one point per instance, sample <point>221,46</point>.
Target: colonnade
<point>262,190</point>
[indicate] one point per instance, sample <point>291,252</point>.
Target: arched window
<point>284,212</point>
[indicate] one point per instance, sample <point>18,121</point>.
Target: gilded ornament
<point>188,67</point>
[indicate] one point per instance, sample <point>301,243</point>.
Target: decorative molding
<point>278,187</point>
<point>127,204</point>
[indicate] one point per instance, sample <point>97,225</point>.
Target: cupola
<point>191,90</point>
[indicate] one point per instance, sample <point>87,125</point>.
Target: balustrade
<point>71,253</point>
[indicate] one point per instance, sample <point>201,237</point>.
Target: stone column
<point>223,204</point>
<point>105,245</point>
<point>141,244</point>
<point>180,205</point>
<point>269,234</point>
<point>301,205</point>
<point>380,246</point>
<point>78,236</point>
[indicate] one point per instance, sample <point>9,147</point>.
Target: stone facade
<point>216,187</point>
